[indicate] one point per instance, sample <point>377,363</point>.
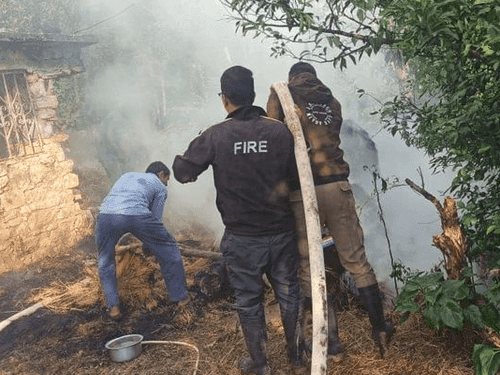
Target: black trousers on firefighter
<point>248,259</point>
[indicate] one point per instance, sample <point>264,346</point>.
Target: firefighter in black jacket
<point>253,163</point>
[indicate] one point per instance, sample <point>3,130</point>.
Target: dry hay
<point>140,282</point>
<point>62,297</point>
<point>492,337</point>
<point>415,348</point>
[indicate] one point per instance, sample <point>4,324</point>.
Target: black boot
<point>293,336</point>
<point>255,338</point>
<point>305,324</point>
<point>334,347</point>
<point>382,331</point>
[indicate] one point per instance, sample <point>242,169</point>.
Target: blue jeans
<point>111,227</point>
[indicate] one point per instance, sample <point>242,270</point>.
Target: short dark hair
<point>301,67</point>
<point>157,167</point>
<point>236,84</point>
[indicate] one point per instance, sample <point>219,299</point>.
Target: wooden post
<point>316,260</point>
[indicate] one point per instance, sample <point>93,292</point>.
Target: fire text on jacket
<point>249,147</point>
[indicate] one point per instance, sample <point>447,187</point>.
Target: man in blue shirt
<point>135,205</point>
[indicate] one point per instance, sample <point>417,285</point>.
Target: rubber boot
<point>382,331</point>
<point>334,347</point>
<point>305,324</point>
<point>255,338</point>
<point>293,339</point>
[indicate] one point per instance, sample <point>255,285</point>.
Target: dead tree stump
<point>452,242</point>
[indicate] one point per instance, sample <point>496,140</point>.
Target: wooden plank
<point>316,260</point>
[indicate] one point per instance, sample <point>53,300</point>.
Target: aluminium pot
<point>125,348</point>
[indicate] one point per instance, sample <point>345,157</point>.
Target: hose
<point>179,343</point>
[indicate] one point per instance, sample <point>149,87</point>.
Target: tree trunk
<point>452,242</point>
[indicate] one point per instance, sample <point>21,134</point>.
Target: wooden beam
<point>314,238</point>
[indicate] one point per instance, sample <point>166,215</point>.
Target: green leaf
<point>407,305</point>
<point>493,293</point>
<point>361,15</point>
<point>491,228</point>
<point>432,294</point>
<point>432,317</point>
<point>486,359</point>
<point>490,316</point>
<point>473,316</point>
<point>405,302</point>
<point>484,149</point>
<point>430,280</point>
<point>451,313</point>
<point>455,289</point>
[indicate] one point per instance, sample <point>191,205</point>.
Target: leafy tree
<point>34,16</point>
<point>328,31</point>
<point>452,110</point>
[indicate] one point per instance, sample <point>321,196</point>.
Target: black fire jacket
<point>253,162</point>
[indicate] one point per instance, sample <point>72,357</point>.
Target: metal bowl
<point>125,348</point>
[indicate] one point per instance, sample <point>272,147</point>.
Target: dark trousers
<point>111,227</point>
<point>248,258</point>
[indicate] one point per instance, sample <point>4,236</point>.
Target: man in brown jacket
<point>321,119</point>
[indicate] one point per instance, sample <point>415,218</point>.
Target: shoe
<point>247,366</point>
<point>382,331</point>
<point>183,303</point>
<point>184,311</point>
<point>334,347</point>
<point>115,313</point>
<point>383,338</point>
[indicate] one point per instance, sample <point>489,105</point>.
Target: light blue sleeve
<point>158,203</point>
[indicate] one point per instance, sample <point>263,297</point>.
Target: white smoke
<point>162,91</point>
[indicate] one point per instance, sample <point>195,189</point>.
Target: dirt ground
<point>73,342</point>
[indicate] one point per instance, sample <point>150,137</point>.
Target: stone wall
<point>40,213</point>
<point>45,102</point>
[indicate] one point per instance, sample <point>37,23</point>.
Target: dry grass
<point>141,284</point>
<point>415,349</point>
<point>62,297</point>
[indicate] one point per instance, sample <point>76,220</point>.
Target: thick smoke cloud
<point>153,84</point>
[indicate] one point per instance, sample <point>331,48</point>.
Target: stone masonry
<point>40,213</point>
